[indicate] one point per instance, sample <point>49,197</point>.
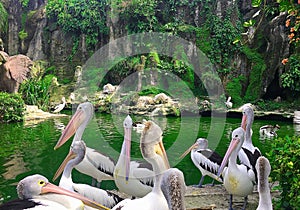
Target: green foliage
<point>139,14</point>
<point>80,17</point>
<point>291,79</point>
<point>3,18</point>
<point>24,3</point>
<point>234,89</point>
<point>253,91</point>
<point>151,91</point>
<point>23,34</point>
<point>284,158</point>
<point>12,107</point>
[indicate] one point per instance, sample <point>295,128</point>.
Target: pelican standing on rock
<point>75,156</point>
<point>153,151</point>
<point>206,160</point>
<point>263,168</point>
<point>60,107</point>
<point>249,154</point>
<point>94,164</point>
<point>237,179</point>
<point>134,178</point>
<point>35,192</point>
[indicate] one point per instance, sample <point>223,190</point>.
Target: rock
<point>144,100</point>
<point>35,115</point>
<point>162,98</point>
<point>297,117</point>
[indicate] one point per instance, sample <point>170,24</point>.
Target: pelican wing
<point>103,197</point>
<point>102,162</point>
<point>144,173</point>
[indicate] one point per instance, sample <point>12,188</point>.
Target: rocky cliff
<point>45,40</point>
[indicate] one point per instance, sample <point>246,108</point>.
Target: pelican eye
<point>42,183</point>
<point>236,136</point>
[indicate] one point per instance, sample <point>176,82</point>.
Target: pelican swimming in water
<point>269,130</point>
<point>248,154</point>
<point>134,178</point>
<point>94,164</point>
<point>263,168</point>
<point>35,192</point>
<point>75,156</point>
<point>60,107</point>
<point>206,160</point>
<point>238,179</point>
<point>169,186</point>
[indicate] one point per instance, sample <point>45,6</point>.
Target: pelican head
<point>247,118</point>
<point>151,143</point>
<point>127,125</point>
<point>77,151</point>
<point>234,147</point>
<point>263,168</point>
<point>36,185</point>
<point>201,143</point>
<point>80,119</point>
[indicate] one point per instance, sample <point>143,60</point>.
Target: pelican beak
<point>234,142</point>
<point>160,149</point>
<point>51,188</point>
<point>244,122</point>
<point>188,150</point>
<point>62,166</point>
<point>127,139</point>
<point>77,119</point>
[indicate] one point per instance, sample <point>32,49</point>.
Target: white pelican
<point>94,164</point>
<point>153,151</point>
<point>206,160</point>
<point>228,103</point>
<point>248,154</point>
<point>35,192</point>
<point>237,179</point>
<point>132,177</point>
<point>75,156</point>
<point>60,107</point>
<point>269,130</point>
<point>263,168</point>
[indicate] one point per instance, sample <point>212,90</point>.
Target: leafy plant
<point>234,89</point>
<point>285,160</point>
<point>3,18</point>
<point>291,79</point>
<point>12,107</point>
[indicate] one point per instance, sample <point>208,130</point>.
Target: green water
<point>28,149</point>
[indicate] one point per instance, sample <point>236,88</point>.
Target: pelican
<point>60,107</point>
<point>35,192</point>
<point>94,164</point>
<point>75,156</point>
<point>263,168</point>
<point>237,179</point>
<point>153,152</point>
<point>269,130</point>
<point>132,177</point>
<point>248,154</point>
<point>206,160</point>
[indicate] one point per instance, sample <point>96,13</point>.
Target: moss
<point>234,89</point>
<point>254,88</point>
<point>12,107</point>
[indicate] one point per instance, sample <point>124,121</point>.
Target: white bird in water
<point>249,154</point>
<point>75,156</point>
<point>206,160</point>
<point>35,192</point>
<point>237,179</point>
<point>134,178</point>
<point>269,130</point>
<point>94,164</point>
<point>263,168</point>
<point>169,187</point>
<point>60,107</point>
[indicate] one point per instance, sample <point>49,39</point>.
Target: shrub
<point>285,160</point>
<point>12,107</point>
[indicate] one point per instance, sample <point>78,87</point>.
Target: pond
<point>28,148</point>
